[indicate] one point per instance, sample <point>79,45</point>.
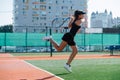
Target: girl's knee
<point>75,51</point>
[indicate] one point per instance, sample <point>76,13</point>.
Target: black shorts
<point>69,39</point>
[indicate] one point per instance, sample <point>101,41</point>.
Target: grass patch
<point>87,69</point>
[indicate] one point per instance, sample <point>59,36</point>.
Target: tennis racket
<point>59,22</point>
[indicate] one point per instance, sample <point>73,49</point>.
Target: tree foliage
<point>6,28</point>
<point>116,26</point>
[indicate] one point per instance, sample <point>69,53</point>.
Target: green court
<point>89,69</point>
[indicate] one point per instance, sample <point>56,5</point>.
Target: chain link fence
<point>32,42</point>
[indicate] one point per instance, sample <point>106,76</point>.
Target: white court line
<point>40,69</point>
<point>43,70</point>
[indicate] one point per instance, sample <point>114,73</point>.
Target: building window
<point>64,7</point>
<point>65,13</point>
<point>16,6</point>
<point>45,24</point>
<point>36,2</point>
<point>16,12</point>
<point>35,7</point>
<point>42,7</point>
<point>35,18</point>
<point>42,0</point>
<point>56,2</point>
<point>42,18</point>
<point>43,13</point>
<point>63,1</point>
<point>35,13</point>
<point>50,2</point>
<point>41,24</point>
<point>24,12</point>
<point>25,7</point>
<point>49,7</point>
<point>25,1</point>
<point>16,18</point>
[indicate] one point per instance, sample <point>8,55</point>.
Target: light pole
<point>51,35</point>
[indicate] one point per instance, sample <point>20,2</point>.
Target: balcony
<point>25,8</point>
<point>42,2</point>
<point>35,14</point>
<point>35,9</point>
<point>43,9</point>
<point>36,3</point>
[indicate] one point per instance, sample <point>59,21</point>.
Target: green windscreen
<point>35,39</point>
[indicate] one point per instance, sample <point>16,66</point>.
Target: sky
<point>101,5</point>
<point>6,8</point>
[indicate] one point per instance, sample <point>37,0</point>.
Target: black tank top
<point>74,28</point>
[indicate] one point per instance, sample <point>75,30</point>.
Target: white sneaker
<point>47,38</point>
<point>68,67</point>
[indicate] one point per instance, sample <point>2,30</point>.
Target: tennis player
<point>68,38</point>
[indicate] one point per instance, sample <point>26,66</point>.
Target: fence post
<point>26,35</point>
<point>102,40</point>
<point>5,40</point>
<point>84,39</point>
<point>46,41</point>
<point>50,44</point>
<point>119,38</point>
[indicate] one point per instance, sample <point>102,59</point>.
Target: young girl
<point>68,38</point>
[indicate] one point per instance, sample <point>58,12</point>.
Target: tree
<point>116,26</point>
<point>6,28</point>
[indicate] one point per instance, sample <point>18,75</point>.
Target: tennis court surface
<point>16,68</point>
<point>12,68</point>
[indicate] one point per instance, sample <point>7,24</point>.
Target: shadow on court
<point>62,74</point>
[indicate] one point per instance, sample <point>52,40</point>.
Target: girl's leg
<point>72,56</point>
<point>58,47</point>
